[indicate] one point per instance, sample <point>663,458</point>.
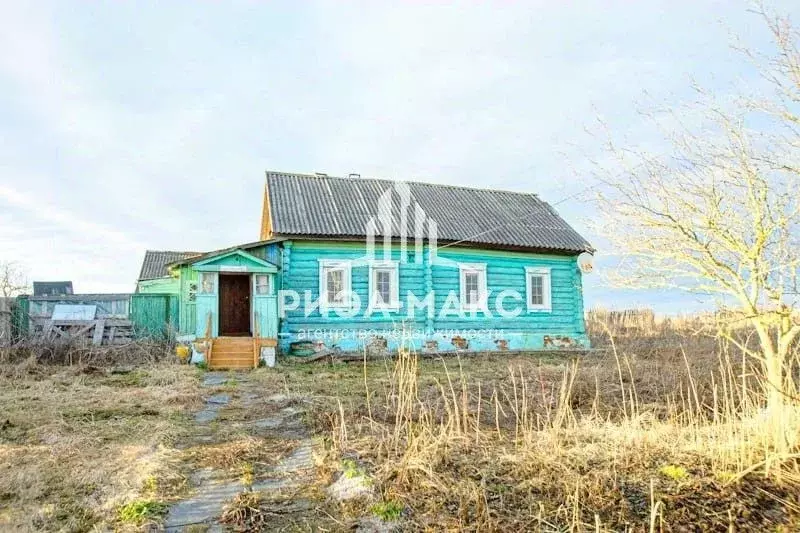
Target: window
<point>538,288</point>
<point>334,283</point>
<point>384,285</point>
<point>262,285</point>
<point>207,280</point>
<point>473,286</point>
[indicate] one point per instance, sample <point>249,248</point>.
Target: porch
<point>236,309</point>
<point>236,353</point>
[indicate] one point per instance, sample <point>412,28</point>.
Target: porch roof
<point>233,261</point>
<point>216,253</point>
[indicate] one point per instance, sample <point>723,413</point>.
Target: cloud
<point>150,125</point>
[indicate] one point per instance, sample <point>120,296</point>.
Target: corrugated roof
<point>329,206</point>
<point>156,261</point>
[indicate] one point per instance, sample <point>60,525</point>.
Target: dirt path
<point>248,440</point>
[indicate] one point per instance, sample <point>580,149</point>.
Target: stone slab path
<point>211,488</point>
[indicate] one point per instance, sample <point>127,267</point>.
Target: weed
<point>248,475</point>
<point>674,472</point>
<point>202,365</point>
<point>140,511</point>
<point>388,511</point>
<point>350,469</point>
<point>243,512</point>
<point>150,485</point>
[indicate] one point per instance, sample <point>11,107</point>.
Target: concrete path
<point>212,488</point>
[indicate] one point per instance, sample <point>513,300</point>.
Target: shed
<point>52,288</point>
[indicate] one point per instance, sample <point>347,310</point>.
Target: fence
<point>5,320</point>
<point>118,318</point>
<point>154,315</point>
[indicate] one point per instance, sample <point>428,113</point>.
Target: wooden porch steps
<point>233,353</point>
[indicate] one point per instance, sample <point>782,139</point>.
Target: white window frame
<point>212,278</point>
<point>547,282</point>
<point>394,303</point>
<point>480,269</point>
<point>268,284</point>
<point>338,264</point>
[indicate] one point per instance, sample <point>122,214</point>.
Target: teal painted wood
<point>166,285</point>
<point>235,261</point>
<point>265,310</point>
<point>154,315</point>
<point>285,324</point>
<point>20,318</point>
<point>505,271</point>
<point>268,252</point>
<point>207,303</point>
<point>188,295</point>
<point>207,309</point>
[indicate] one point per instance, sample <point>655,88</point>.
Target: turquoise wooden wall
<point>207,310</point>
<point>155,315</point>
<point>562,326</point>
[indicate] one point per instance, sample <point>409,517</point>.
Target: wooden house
<point>353,263</point>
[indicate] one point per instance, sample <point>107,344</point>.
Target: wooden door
<point>234,305</point>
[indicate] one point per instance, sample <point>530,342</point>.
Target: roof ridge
<point>389,180</point>
<point>172,252</point>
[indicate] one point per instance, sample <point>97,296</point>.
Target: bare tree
<point>12,279</point>
<point>719,211</point>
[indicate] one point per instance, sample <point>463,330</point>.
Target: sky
<point>127,126</point>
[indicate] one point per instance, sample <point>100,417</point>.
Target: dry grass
<point>650,432</point>
<point>78,442</point>
<point>647,436</point>
<point>246,451</point>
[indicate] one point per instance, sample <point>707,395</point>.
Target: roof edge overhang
<point>216,263</point>
<point>465,244</point>
<point>217,253</point>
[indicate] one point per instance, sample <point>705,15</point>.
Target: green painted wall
<point>168,285</point>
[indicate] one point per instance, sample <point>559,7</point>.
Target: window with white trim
<point>473,286</point>
<point>262,285</point>
<point>334,283</point>
<point>537,281</point>
<point>384,285</point>
<point>207,282</point>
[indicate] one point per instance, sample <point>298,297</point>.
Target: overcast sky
<point>149,125</point>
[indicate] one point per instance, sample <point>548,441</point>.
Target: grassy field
<point>81,447</point>
<point>651,433</point>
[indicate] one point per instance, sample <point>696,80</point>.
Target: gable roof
<point>326,206</point>
<point>239,256</point>
<point>52,288</point>
<point>155,263</point>
<point>197,258</point>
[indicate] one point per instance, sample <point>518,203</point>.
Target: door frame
<point>221,275</point>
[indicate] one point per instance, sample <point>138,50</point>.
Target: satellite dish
<point>586,262</point>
